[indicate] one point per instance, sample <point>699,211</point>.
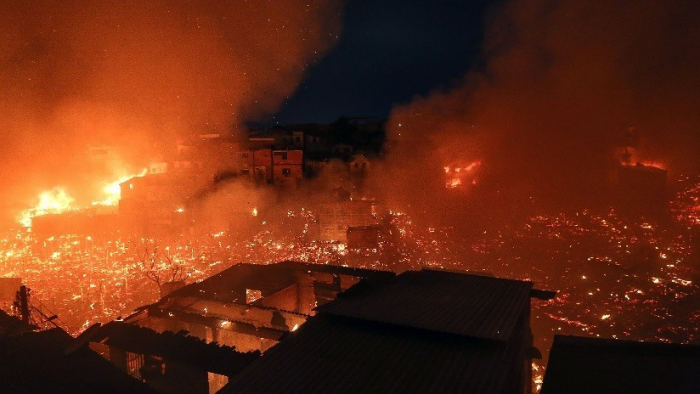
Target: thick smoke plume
<point>561,83</point>
<point>138,74</point>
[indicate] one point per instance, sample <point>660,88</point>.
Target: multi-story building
<point>288,167</point>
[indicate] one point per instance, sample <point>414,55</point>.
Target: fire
<point>646,163</point>
<point>654,164</point>
<point>52,201</point>
<point>457,176</point>
<point>57,200</point>
<point>112,190</point>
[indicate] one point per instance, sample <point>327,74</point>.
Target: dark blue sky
<point>389,51</point>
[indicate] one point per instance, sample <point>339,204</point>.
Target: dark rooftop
<point>337,355</point>
<point>223,360</point>
<point>36,362</point>
<point>464,304</point>
<point>422,331</point>
<point>11,325</point>
<point>593,365</point>
<point>230,284</point>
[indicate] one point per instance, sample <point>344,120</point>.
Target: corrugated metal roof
<point>181,347</point>
<point>593,365</point>
<point>338,355</point>
<point>230,284</point>
<point>38,362</point>
<point>464,304</point>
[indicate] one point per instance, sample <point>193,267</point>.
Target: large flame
<point>51,201</point>
<point>112,190</point>
<point>57,200</point>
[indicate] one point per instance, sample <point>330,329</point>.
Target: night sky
<point>550,85</point>
<point>389,51</point>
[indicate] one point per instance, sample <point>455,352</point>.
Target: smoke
<point>561,83</point>
<point>135,75</point>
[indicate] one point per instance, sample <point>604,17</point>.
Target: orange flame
<point>57,200</point>
<point>461,175</point>
<point>654,164</point>
<point>52,201</point>
<point>112,190</point>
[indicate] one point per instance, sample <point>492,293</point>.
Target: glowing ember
<point>654,164</point>
<point>457,176</point>
<point>616,277</point>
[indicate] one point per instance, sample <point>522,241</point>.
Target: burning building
<point>250,306</point>
<point>155,203</point>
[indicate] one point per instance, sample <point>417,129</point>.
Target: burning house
<point>155,203</point>
<point>250,307</point>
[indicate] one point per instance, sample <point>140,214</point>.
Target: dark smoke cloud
<point>136,74</point>
<point>562,81</point>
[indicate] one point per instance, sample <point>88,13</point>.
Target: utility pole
<point>24,304</point>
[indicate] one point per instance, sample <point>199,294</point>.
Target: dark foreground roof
<point>464,304</point>
<point>592,365</point>
<point>37,362</point>
<point>11,325</point>
<point>422,331</point>
<point>336,355</point>
<point>209,357</point>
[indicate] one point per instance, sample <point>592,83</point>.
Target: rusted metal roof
<point>463,304</point>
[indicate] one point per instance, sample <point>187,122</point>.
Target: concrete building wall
<point>335,218</point>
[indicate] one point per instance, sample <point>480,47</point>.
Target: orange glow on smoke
<point>654,164</point>
<point>647,163</point>
<point>461,175</point>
